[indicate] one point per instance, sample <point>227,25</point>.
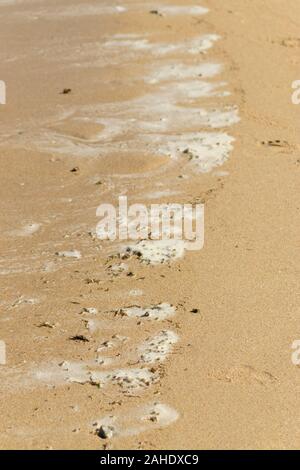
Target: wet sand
<point>104,100</point>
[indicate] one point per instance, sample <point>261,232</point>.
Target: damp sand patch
<point>80,129</point>
<point>142,126</point>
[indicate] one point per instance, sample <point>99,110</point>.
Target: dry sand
<point>77,357</point>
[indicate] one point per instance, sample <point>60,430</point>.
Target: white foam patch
<point>69,254</point>
<point>176,72</point>
<point>154,312</point>
<point>19,2</point>
<point>90,310</point>
<point>50,267</point>
<point>158,123</point>
<point>45,374</point>
<point>115,341</point>
<point>163,116</point>
<point>75,372</point>
<point>27,230</point>
<point>4,3</point>
<point>58,374</point>
<point>81,9</point>
<point>55,143</point>
<point>205,150</point>
<point>196,89</point>
<point>161,112</point>
<point>91,325</point>
<point>106,346</point>
<point>134,43</point>
<point>160,194</point>
<point>136,293</point>
<point>126,379</point>
<point>87,373</point>
<point>142,44</point>
<point>148,124</point>
<point>140,125</point>
<point>94,325</point>
<point>105,361</point>
<point>24,301</point>
<point>157,251</point>
<point>138,420</point>
<point>145,124</point>
<point>183,10</point>
<point>157,349</point>
<point>117,269</point>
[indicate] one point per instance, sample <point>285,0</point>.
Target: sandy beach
<point>142,344</point>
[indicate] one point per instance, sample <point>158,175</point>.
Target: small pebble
<point>195,310</point>
<point>106,432</point>
<point>66,91</point>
